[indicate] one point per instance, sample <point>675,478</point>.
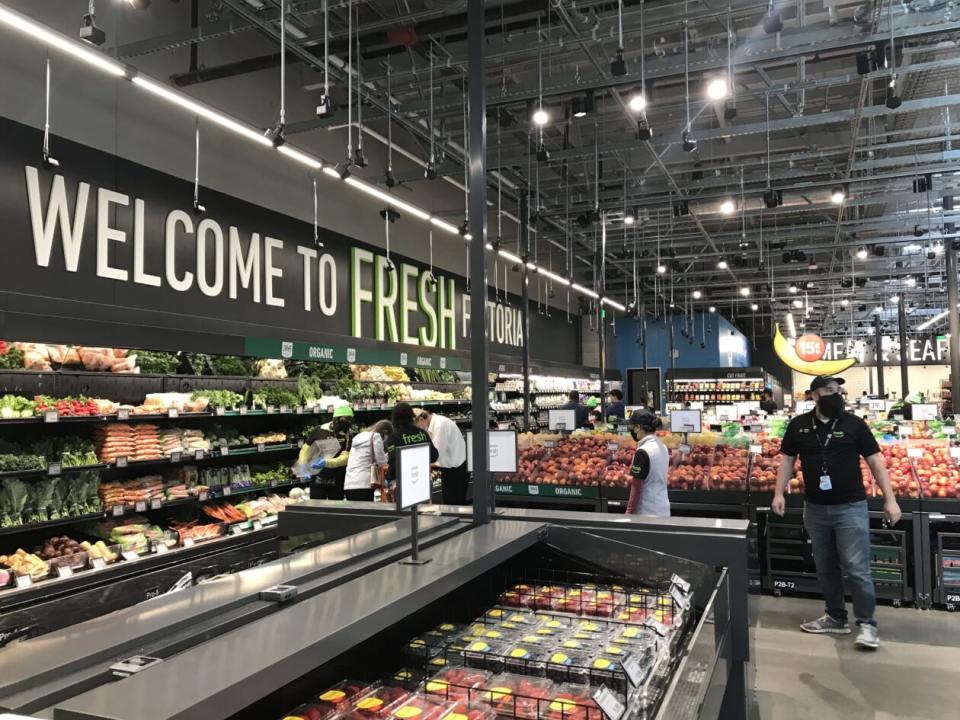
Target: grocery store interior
<point>369,359</point>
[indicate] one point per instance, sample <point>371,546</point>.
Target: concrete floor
<point>914,675</point>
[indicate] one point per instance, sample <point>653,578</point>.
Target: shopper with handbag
<point>367,453</point>
<point>405,432</point>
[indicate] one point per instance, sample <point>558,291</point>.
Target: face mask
<point>633,432</point>
<point>830,405</point>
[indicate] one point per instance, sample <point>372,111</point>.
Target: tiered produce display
<point>541,654</point>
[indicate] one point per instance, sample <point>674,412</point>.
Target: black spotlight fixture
<point>893,100</point>
<point>90,32</point>
<point>275,135</point>
<point>681,208</point>
<point>689,144</point>
<point>198,209</point>
<point>464,229</point>
<point>772,21</point>
<point>582,106</point>
<point>866,62</point>
<point>388,178</point>
<point>923,184</point>
<point>543,155</point>
<point>390,214</point>
<point>919,231</point>
<point>325,106</point>
<point>772,198</point>
<point>879,250</point>
<point>359,159</point>
<point>729,109</point>
<point>343,169</point>
<point>644,131</point>
<point>50,162</point>
<point>618,67</point>
<point>583,220</point>
<point>430,171</point>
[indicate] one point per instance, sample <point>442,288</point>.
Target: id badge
<point>825,483</point>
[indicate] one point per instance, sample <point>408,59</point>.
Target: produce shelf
<point>51,523</point>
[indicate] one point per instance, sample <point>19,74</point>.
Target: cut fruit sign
<point>801,359</point>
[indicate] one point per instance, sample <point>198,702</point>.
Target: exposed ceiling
<point>799,119</point>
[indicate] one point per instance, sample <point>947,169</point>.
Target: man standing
<point>616,408</point>
<point>580,412</point>
<point>767,403</point>
<point>830,442</point>
<point>448,439</point>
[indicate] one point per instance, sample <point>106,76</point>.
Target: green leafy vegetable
<point>160,363</point>
<point>220,398</point>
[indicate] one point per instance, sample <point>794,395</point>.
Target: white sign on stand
<point>413,488</point>
<point>562,420</point>
<point>726,413</point>
<point>924,411</point>
<point>685,421</point>
<point>503,451</point>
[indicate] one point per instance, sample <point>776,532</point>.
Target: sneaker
<point>827,624</point>
<point>868,637</point>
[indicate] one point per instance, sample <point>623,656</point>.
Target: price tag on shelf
<point>257,525</point>
<point>188,542</point>
<point>284,409</point>
<point>129,555</point>
<point>609,703</point>
<point>274,483</point>
<point>680,583</point>
<point>678,598</point>
<point>329,408</point>
<point>684,449</point>
<point>915,452</point>
<point>203,496</point>
<point>949,429</point>
<point>659,628</point>
<point>261,447</point>
<point>244,410</point>
<point>756,450</point>
<point>271,410</point>
<point>227,491</point>
<point>64,571</point>
<point>156,504</point>
<point>97,563</point>
<point>121,461</point>
<point>905,430</point>
<point>140,506</point>
<point>300,443</point>
<point>955,452</point>
<point>199,455</point>
<point>220,411</point>
<point>123,414</point>
<point>224,450</point>
<point>235,530</point>
<point>549,444</point>
<point>160,548</point>
<point>633,669</point>
<point>117,510</point>
<point>24,581</point>
<point>51,416</point>
<point>173,413</point>
<point>300,410</point>
<point>175,456</point>
<point>54,468</point>
<point>612,447</point>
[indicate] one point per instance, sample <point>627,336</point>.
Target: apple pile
<point>900,471</point>
<point>690,471</point>
<point>937,472</point>
<point>729,470</point>
<point>763,472</point>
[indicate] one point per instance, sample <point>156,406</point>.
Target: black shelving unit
<point>947,565</point>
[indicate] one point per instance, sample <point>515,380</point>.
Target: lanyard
<point>823,445</point>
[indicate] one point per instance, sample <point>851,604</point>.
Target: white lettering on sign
<point>57,213</point>
<point>244,268</point>
<point>922,350</point>
<point>424,361</point>
<point>320,353</point>
<point>272,271</point>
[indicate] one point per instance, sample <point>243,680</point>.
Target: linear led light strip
<point>936,318</point>
<point>80,51</point>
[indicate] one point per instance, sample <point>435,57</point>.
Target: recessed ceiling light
<point>722,264</point>
<point>540,117</point>
<point>793,289</point>
<point>661,269</point>
<point>745,291</point>
<point>713,308</point>
<point>637,102</point>
<point>754,307</point>
<point>697,294</point>
<point>844,302</point>
<point>837,194</point>
<point>861,253</point>
<point>727,207</point>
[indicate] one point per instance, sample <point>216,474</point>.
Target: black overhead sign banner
<point>103,240</point>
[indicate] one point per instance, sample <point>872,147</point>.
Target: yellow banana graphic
<point>786,352</point>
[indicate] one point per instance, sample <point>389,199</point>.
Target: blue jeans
<point>841,547</point>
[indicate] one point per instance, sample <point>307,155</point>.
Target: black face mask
<point>633,433</point>
<point>830,405</point>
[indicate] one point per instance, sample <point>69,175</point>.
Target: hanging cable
<point>316,219</point>
<point>197,207</point>
<point>360,159</point>
<point>349,87</point>
<point>430,172</point>
<point>389,179</point>
<point>48,161</point>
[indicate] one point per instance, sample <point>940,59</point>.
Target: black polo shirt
<point>844,443</point>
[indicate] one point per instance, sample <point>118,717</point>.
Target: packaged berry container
<point>456,683</point>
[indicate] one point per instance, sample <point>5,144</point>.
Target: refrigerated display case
<point>227,651</point>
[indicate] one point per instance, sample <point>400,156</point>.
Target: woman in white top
<point>366,451</point>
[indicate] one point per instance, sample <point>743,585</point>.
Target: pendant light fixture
<point>348,162</point>
<point>773,20</point>
<point>540,116</point>
<point>198,209</point>
<point>325,106</point>
<point>730,106</point>
<point>275,134</point>
<point>689,144</point>
<point>316,218</point>
<point>618,67</point>
<point>893,101</point>
<point>430,171</point>
<point>359,159</point>
<point>49,162</point>
<point>388,177</point>
<point>639,101</point>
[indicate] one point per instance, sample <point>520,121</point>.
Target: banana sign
<point>806,355</point>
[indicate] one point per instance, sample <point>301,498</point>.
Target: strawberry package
<point>449,630</point>
<point>464,710</point>
<point>568,666</point>
<point>554,621</point>
<point>592,627</point>
<point>375,704</point>
<point>485,653</point>
<point>517,696</point>
<point>456,683</point>
<point>338,697</point>
<point>416,707</point>
<point>408,678</point>
<point>517,596</point>
<point>582,644</point>
<point>498,615</point>
<point>527,658</point>
<point>571,701</point>
<point>606,669</point>
<point>636,615</point>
